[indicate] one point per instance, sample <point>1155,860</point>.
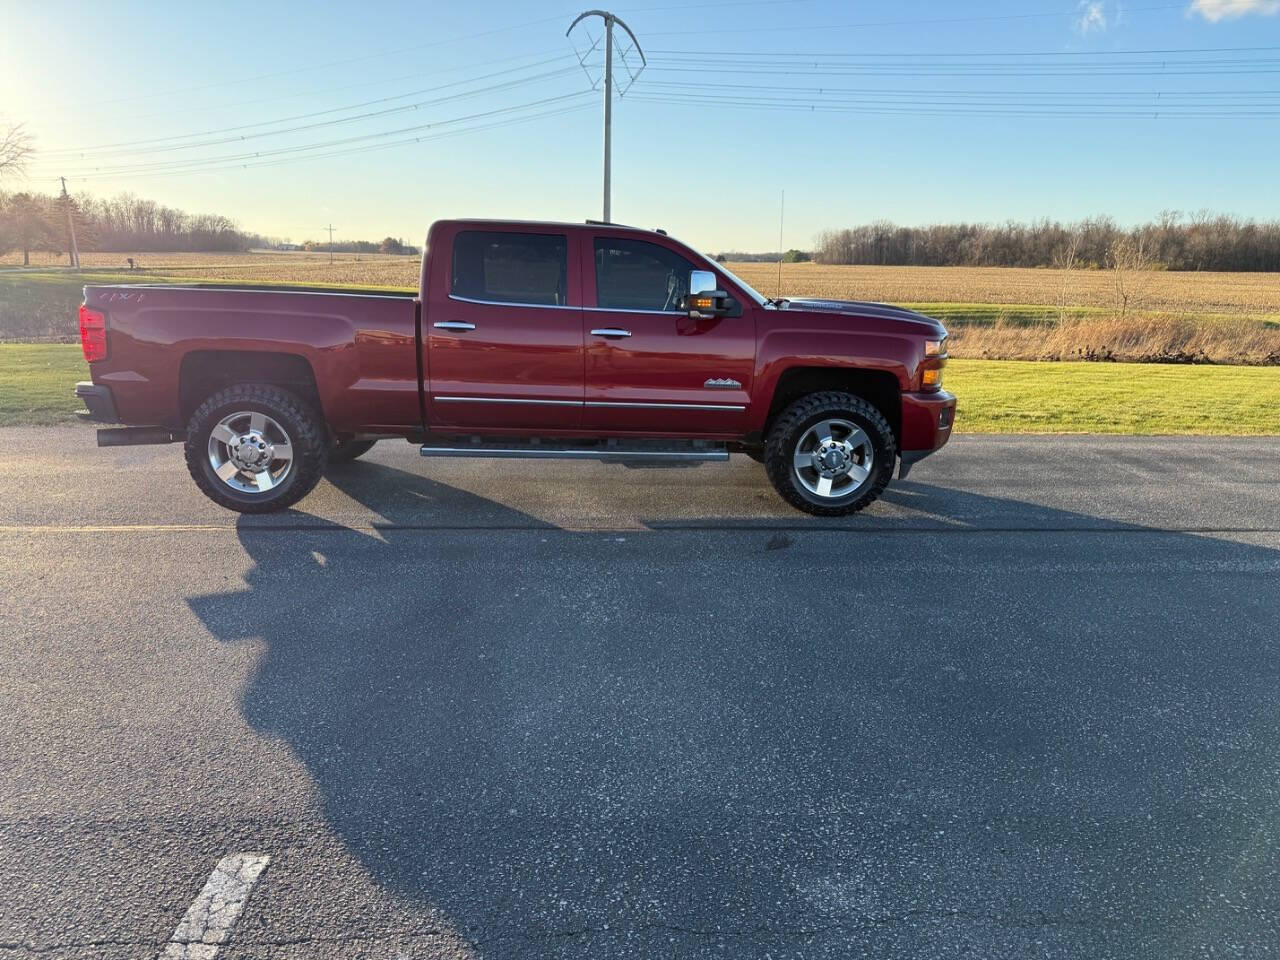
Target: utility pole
<point>71,225</point>
<point>330,228</point>
<point>609,20</point>
<point>782,209</point>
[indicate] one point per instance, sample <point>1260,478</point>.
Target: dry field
<point>1025,314</point>
<point>365,269</point>
<point>992,312</point>
<point>1250,294</point>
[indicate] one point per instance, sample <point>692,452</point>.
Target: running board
<point>609,451</point>
<point>132,436</point>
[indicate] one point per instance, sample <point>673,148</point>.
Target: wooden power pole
<point>71,225</point>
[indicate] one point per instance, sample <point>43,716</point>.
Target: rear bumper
<point>927,419</point>
<point>98,401</point>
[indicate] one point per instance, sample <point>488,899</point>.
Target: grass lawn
<point>36,383</point>
<point>996,396</point>
<point>1016,396</point>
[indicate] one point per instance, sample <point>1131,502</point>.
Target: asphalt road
<point>1028,706</point>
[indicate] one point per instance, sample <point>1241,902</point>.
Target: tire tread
<point>778,453</point>
<point>310,444</point>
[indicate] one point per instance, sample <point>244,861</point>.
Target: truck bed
<point>357,348</point>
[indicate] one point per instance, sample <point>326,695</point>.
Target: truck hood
<point>861,308</point>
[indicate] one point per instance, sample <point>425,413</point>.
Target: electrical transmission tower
<point>330,228</point>
<point>609,20</point>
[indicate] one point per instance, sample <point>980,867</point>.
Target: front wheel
<point>255,448</point>
<point>830,454</point>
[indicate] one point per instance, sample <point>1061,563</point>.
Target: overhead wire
<point>164,144</point>
<point>101,172</point>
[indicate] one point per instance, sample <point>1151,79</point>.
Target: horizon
<point>1020,98</point>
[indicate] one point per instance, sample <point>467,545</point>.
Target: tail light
<point>93,333</point>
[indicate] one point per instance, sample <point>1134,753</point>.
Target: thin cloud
<point>1215,10</point>
<point>1091,17</point>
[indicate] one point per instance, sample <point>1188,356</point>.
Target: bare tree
<point>15,150</point>
<point>1065,260</point>
<point>1128,259</point>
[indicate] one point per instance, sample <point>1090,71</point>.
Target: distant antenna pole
<point>609,20</point>
<point>782,209</point>
<point>71,226</point>
<point>330,228</point>
<point>608,113</point>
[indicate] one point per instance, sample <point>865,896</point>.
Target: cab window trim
<point>512,303</point>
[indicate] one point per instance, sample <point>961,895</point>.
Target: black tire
<point>791,426</point>
<point>345,449</point>
<point>301,425</point>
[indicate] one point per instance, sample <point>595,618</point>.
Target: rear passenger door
<point>503,332</point>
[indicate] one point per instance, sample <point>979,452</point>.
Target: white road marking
<point>208,921</point>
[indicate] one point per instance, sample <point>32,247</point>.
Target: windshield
<point>746,287</point>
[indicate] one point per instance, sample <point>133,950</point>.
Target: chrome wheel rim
<point>250,452</point>
<point>833,458</point>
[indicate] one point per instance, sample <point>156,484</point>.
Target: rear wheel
<point>346,449</point>
<point>830,454</point>
<point>255,448</point>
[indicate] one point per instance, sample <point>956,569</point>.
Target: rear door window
<point>529,268</point>
<point>637,275</point>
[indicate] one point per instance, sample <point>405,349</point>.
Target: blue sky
<point>908,110</point>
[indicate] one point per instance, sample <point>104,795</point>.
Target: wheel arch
<point>880,388</point>
<point>204,372</point>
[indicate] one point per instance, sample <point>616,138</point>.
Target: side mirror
<point>705,301</point>
<point>701,281</point>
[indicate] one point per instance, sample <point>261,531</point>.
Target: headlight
<point>936,348</point>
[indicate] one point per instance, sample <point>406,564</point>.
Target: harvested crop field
<point>999,313</point>
<point>1250,294</point>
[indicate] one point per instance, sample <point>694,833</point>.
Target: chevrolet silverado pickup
<point>592,341</point>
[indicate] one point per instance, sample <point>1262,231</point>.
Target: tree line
<point>125,223</point>
<point>392,245</point>
<point>1173,241</point>
<point>36,221</point>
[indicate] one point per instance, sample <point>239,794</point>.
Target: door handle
<point>454,325</point>
<point>613,333</point>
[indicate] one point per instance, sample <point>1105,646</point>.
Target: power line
<point>930,70</point>
<point>187,167</point>
<point>99,118</point>
<point>991,18</point>
<point>809,55</point>
<point>300,148</point>
<point>946,109</point>
<point>684,86</point>
<point>162,144</point>
<point>324,65</point>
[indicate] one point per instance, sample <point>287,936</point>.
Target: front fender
<point>783,350</point>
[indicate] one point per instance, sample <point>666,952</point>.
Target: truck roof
<point>557,224</point>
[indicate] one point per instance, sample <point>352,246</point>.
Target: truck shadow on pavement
<point>682,743</point>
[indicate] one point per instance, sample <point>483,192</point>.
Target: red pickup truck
<point>592,341</point>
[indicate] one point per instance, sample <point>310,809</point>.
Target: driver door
<point>650,369</point>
